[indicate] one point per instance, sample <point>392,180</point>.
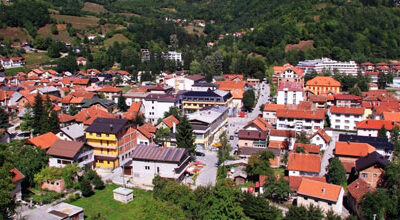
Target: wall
<point>336,207</point>
<point>345,122</point>
<point>318,140</point>
<point>57,186</point>
<point>371,175</point>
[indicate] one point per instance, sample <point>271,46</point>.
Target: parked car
<point>200,154</point>
<point>231,137</point>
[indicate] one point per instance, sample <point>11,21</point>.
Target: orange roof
<point>323,134</point>
<point>169,121</point>
<point>358,189</point>
<point>237,94</point>
<point>77,100</point>
<point>135,107</point>
<point>43,141</point>
<point>282,133</point>
<point>259,123</point>
<point>370,124</point>
<point>273,107</point>
<point>353,149</point>
<point>17,175</point>
<point>109,89</point>
<point>65,118</point>
<point>80,81</point>
<point>347,110</point>
<point>149,127</point>
<point>144,131</point>
<point>278,144</point>
<point>380,109</point>
<point>304,162</point>
<point>319,189</point>
<point>323,81</point>
<point>233,76</point>
<point>301,114</point>
<point>93,112</point>
<point>231,85</point>
<point>308,148</point>
<point>391,116</point>
<point>295,181</point>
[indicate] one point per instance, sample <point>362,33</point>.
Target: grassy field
<point>116,38</point>
<point>93,7</point>
<point>194,30</point>
<point>14,32</point>
<point>76,21</point>
<point>143,206</point>
<point>13,71</point>
<point>62,33</point>
<point>34,60</point>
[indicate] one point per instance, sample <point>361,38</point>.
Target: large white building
<point>156,104</point>
<point>173,55</point>
<point>290,93</point>
<point>183,82</point>
<point>300,120</point>
<point>149,161</point>
<point>345,118</point>
<point>328,64</point>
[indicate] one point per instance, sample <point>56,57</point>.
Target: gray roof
<point>160,154</point>
<point>15,97</point>
<point>209,115</point>
<point>107,125</point>
<point>104,102</point>
<point>48,89</point>
<point>74,131</point>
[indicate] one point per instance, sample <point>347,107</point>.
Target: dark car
<point>231,137</point>
<point>200,154</point>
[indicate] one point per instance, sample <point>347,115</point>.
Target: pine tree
<point>27,120</point>
<point>122,106</point>
<point>37,113</point>
<point>336,172</point>
<point>381,80</point>
<point>86,187</point>
<point>184,136</point>
<point>72,110</point>
<point>3,118</point>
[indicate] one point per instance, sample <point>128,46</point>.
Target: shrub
<point>86,187</point>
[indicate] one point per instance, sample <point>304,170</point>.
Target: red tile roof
<point>43,141</point>
<point>358,189</point>
<point>352,149</point>
<point>231,85</point>
<point>323,81</point>
<point>17,175</point>
<point>347,110</point>
<point>347,97</point>
<point>63,118</point>
<point>301,114</point>
<point>295,181</point>
<point>135,107</point>
<point>323,134</point>
<point>290,86</point>
<point>169,121</point>
<point>319,189</point>
<point>370,124</point>
<point>110,89</point>
<point>304,162</point>
<point>308,148</point>
<point>282,133</point>
<point>391,116</point>
<point>278,145</point>
<point>273,107</point>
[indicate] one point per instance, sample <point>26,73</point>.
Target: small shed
<point>122,194</point>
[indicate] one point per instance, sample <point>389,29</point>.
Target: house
<point>64,152</point>
<point>324,195</point>
<point>173,55</point>
<point>304,164</point>
<point>349,152</point>
<point>208,124</point>
<point>182,82</point>
<point>43,141</point>
<point>17,179</point>
<point>347,100</point>
<point>12,62</point>
<point>251,138</point>
<point>320,101</point>
<point>382,145</point>
<point>391,116</point>
<point>282,137</point>
<point>237,90</point>
<point>345,118</point>
<point>74,132</point>
<point>233,77</point>
<point>113,141</point>
<point>258,124</point>
<point>149,161</point>
<point>371,168</point>
<point>320,138</point>
<point>81,61</point>
<point>356,190</point>
<point>269,113</point>
<point>111,93</point>
<point>323,85</point>
<point>169,122</point>
<point>290,93</point>
<point>308,148</point>
<point>300,120</point>
<point>295,181</point>
<point>371,127</point>
<point>60,211</point>
<point>195,100</point>
<point>287,73</point>
<point>156,104</point>
<point>146,134</point>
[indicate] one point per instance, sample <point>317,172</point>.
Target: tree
<point>184,135</point>
<point>3,118</point>
<point>122,106</point>
<point>300,150</point>
<point>302,213</point>
<point>53,51</point>
<point>53,29</point>
<point>258,208</point>
<point>27,120</point>
<point>163,135</point>
<point>73,110</point>
<point>259,164</point>
<point>97,182</point>
<point>67,63</point>
<point>382,132</point>
<point>355,91</point>
<point>86,187</point>
<point>173,111</point>
<point>248,99</point>
<point>224,150</point>
<point>7,204</point>
<point>278,191</point>
<point>382,80</point>
<point>225,204</point>
<point>332,216</point>
<point>38,112</point>
<point>376,203</point>
<point>336,172</point>
<point>195,67</point>
<point>302,138</point>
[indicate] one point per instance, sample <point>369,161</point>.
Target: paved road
<point>208,175</point>
<point>237,123</point>
<point>329,153</point>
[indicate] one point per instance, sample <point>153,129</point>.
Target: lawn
<point>9,33</point>
<point>34,60</point>
<point>93,7</point>
<point>76,21</point>
<point>116,38</point>
<point>13,71</point>
<point>143,206</point>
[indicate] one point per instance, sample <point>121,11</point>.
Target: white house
<point>283,135</point>
<point>173,55</point>
<point>320,138</point>
<point>300,120</point>
<point>74,132</point>
<point>12,62</point>
<point>156,104</point>
<point>290,93</point>
<point>149,161</point>
<point>182,82</point>
<point>345,118</point>
<point>64,152</point>
<point>371,127</point>
<point>300,164</point>
<point>324,195</point>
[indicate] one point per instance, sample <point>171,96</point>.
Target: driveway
<point>329,153</point>
<point>208,175</point>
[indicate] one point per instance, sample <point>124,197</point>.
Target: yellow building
<point>323,85</point>
<point>113,141</point>
<point>195,100</point>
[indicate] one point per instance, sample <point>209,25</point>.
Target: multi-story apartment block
<point>323,85</point>
<point>327,64</point>
<point>290,93</point>
<point>113,141</point>
<point>195,100</point>
<point>156,104</point>
<point>345,118</point>
<point>300,120</point>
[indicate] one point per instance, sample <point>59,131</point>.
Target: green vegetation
<point>143,206</point>
<point>249,99</point>
<point>184,135</point>
<point>336,172</point>
<point>13,71</point>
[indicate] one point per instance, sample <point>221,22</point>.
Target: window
<point>58,161</point>
<point>158,169</point>
<point>364,175</point>
<point>98,135</point>
<point>147,167</point>
<point>375,175</point>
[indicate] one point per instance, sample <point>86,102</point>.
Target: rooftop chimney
<point>111,127</point>
<point>173,127</point>
<point>323,190</point>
